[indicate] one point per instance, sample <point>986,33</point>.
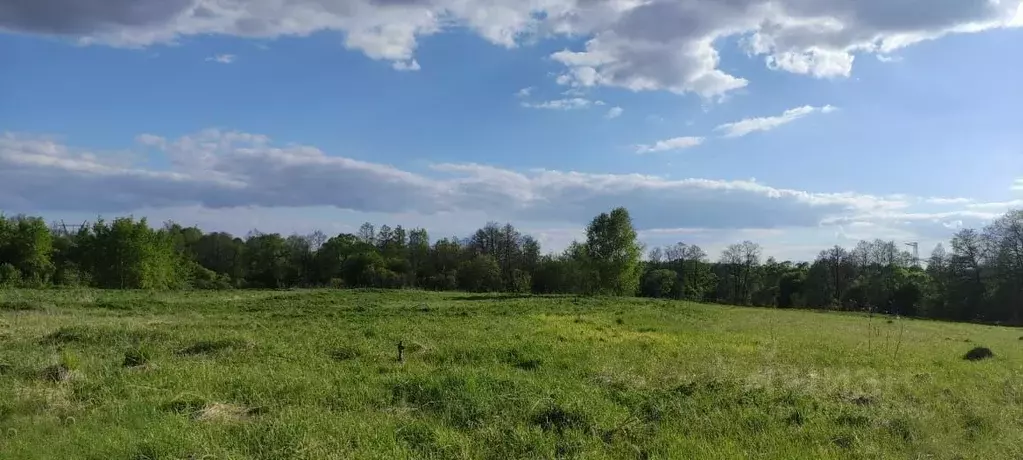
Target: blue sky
<point>797,125</point>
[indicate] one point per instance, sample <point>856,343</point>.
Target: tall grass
<point>314,374</point>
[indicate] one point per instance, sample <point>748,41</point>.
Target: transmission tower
<point>916,252</point>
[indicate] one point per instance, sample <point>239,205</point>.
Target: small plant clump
<point>137,357</point>
<point>56,373</point>
<point>346,353</point>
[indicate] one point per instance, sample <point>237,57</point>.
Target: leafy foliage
<point>980,278</point>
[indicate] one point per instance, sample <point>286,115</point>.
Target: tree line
<point>979,279</point>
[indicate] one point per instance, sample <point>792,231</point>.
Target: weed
<point>184,405</point>
<point>65,335</point>
<point>795,418</point>
<point>901,429</point>
<point>56,373</point>
<point>206,347</point>
<point>19,305</point>
<point>345,353</point>
<point>137,356</point>
<point>559,419</point>
<point>854,420</point>
<point>522,360</point>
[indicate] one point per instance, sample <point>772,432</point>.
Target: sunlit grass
<point>314,374</point>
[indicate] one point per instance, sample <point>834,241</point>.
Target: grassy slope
<point>312,374</point>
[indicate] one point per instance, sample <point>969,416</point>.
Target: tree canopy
<point>977,277</point>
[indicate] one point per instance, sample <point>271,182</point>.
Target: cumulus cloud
<point>574,103</point>
<point>615,112</point>
<point>751,125</point>
<point>222,58</point>
<point>677,143</point>
<point>1018,185</point>
<point>216,176</point>
<point>227,169</point>
<point>525,92</point>
<point>640,45</point>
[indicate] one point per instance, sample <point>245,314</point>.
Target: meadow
<point>315,374</point>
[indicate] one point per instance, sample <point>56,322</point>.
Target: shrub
<point>9,275</point>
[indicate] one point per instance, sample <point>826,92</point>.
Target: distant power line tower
<point>63,228</point>
<point>916,252</point>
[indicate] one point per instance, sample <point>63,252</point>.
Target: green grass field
<point>314,374</point>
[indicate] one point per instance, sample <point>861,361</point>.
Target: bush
<point>71,275</point>
<point>9,275</point>
<point>447,281</point>
<point>521,281</point>
<point>659,283</point>
<point>204,278</point>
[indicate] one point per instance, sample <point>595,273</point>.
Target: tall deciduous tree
<point>613,253</point>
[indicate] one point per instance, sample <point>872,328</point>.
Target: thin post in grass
<point>401,351</point>
<point>870,326</point>
<point>902,331</point>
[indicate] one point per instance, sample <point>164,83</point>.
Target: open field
<point>314,374</point>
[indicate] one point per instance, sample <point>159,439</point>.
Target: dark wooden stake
<point>401,352</point>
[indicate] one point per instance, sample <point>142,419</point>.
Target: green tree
<point>480,273</point>
<point>129,254</point>
<point>613,253</point>
<point>659,283</point>
<point>266,260</point>
<point>27,244</point>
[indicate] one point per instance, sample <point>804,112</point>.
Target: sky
<point>797,124</point>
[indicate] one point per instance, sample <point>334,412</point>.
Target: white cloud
<point>525,92</point>
<point>635,44</point>
<point>574,103</point>
<point>814,61</point>
<point>151,140</point>
<point>228,169</point>
<point>615,112</point>
<point>677,143</point>
<point>751,125</point>
<point>1018,185</point>
<point>222,58</point>
<point>244,180</point>
<point>410,65</point>
<point>888,58</point>
<point>941,200</point>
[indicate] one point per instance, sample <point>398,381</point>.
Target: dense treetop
<point>980,278</point>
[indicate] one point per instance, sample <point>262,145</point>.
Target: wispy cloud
<point>574,103</point>
<point>752,125</point>
<point>615,112</point>
<point>677,143</point>
<point>408,66</point>
<point>222,58</point>
<point>1018,186</point>
<point>525,92</point>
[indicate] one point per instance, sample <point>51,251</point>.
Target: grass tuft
<point>19,305</point>
<point>559,419</point>
<point>346,353</point>
<point>137,357</point>
<point>208,347</point>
